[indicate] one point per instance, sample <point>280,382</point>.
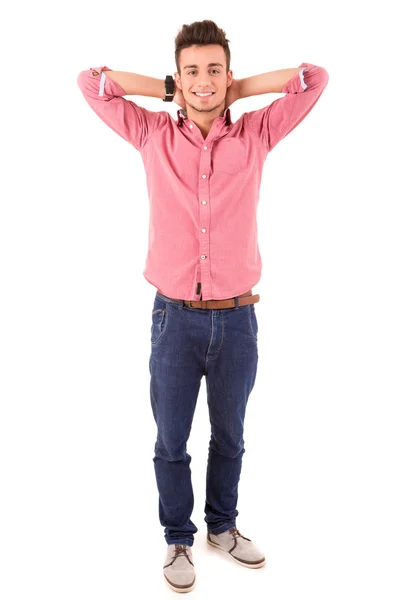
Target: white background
<point>319,486</point>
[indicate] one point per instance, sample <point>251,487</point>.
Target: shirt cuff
<point>296,84</point>
<point>107,86</point>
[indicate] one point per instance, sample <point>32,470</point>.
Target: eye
<point>216,70</point>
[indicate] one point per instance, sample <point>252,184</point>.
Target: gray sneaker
<point>179,568</point>
<point>239,547</point>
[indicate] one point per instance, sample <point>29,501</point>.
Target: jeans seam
<point>250,324</point>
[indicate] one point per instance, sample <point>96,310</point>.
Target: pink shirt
<point>203,193</point>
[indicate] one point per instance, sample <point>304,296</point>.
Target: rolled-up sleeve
<point>275,121</point>
<point>132,122</point>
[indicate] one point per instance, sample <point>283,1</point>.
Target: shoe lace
<point>236,533</point>
<point>181,550</point>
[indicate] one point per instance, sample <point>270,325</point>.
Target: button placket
<point>205,216</point>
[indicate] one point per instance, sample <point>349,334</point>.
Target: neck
<point>203,118</point>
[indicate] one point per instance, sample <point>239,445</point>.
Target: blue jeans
<point>187,343</point>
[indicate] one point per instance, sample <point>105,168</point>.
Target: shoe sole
<point>179,590</point>
<point>257,566</point>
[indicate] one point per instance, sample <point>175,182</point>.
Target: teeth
<point>207,94</point>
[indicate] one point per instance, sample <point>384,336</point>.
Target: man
<point>203,177</point>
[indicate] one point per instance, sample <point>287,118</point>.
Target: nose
<point>204,82</point>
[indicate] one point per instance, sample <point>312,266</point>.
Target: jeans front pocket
<point>159,318</point>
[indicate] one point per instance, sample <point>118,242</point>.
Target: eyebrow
<point>196,66</point>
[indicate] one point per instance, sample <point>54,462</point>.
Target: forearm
<point>138,85</point>
<point>273,81</point>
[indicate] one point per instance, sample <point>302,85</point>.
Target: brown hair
<point>201,33</point>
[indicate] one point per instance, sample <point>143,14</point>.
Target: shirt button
<point>191,126</point>
<point>204,202</point>
<point>204,230</point>
<point>203,257</point>
<point>205,147</point>
<point>204,176</point>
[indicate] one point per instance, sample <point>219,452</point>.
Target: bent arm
<point>104,94</point>
<point>276,120</point>
<point>273,81</point>
<point>138,85</point>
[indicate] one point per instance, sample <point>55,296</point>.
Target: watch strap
<point>169,88</point>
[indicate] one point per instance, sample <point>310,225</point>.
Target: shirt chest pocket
<point>229,156</point>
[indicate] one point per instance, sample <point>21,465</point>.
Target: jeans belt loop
<point>236,302</point>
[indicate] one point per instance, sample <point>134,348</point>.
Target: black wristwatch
<point>169,88</point>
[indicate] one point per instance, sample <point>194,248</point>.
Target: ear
<point>229,78</point>
<point>177,80</point>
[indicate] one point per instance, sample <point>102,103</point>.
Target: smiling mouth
<point>208,96</point>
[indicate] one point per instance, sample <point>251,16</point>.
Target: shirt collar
<point>182,115</point>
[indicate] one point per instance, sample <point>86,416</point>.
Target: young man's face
<point>199,73</point>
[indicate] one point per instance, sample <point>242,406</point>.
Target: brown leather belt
<point>246,298</point>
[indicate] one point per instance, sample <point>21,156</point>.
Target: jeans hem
<point>221,528</point>
<point>186,541</point>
